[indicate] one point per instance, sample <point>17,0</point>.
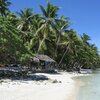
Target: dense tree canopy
<point>27,33</point>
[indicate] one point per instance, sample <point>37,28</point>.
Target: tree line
<point>26,33</point>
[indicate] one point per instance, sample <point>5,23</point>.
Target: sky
<point>84,14</point>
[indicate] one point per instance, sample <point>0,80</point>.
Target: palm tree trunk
<point>41,44</point>
<point>63,56</point>
<point>58,40</point>
<point>58,34</point>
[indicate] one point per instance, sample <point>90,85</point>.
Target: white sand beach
<point>64,89</point>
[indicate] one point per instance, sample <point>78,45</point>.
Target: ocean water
<point>90,87</point>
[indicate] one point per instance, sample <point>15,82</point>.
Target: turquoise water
<point>90,89</point>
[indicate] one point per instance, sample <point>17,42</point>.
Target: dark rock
<point>55,81</point>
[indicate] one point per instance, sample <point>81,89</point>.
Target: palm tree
<point>25,20</point>
<point>51,24</point>
<point>4,4</point>
<point>25,23</point>
<point>87,53</point>
<point>70,42</point>
<point>85,38</point>
<point>48,22</point>
<point>61,25</point>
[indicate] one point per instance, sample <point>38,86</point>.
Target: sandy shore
<point>63,89</point>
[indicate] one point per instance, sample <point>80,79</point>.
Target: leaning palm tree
<point>47,22</point>
<point>51,24</point>
<point>87,53</point>
<point>69,42</point>
<point>61,25</point>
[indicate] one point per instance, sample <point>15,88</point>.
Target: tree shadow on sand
<point>31,77</point>
<point>24,75</point>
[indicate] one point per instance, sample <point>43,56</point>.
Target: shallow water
<point>89,87</point>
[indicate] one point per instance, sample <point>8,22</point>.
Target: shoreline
<point>64,88</point>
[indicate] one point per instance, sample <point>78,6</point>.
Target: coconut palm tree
<point>70,42</point>
<point>88,54</point>
<point>25,23</point>
<point>61,25</point>
<point>4,4</point>
<point>48,22</point>
<point>25,20</point>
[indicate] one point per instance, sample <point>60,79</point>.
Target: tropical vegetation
<point>27,33</point>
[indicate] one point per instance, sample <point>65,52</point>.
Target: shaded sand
<point>64,89</point>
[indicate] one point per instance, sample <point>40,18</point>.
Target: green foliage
<point>4,4</point>
<point>11,46</point>
<point>28,33</point>
<point>25,59</point>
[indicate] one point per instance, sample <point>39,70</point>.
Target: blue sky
<point>84,14</point>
